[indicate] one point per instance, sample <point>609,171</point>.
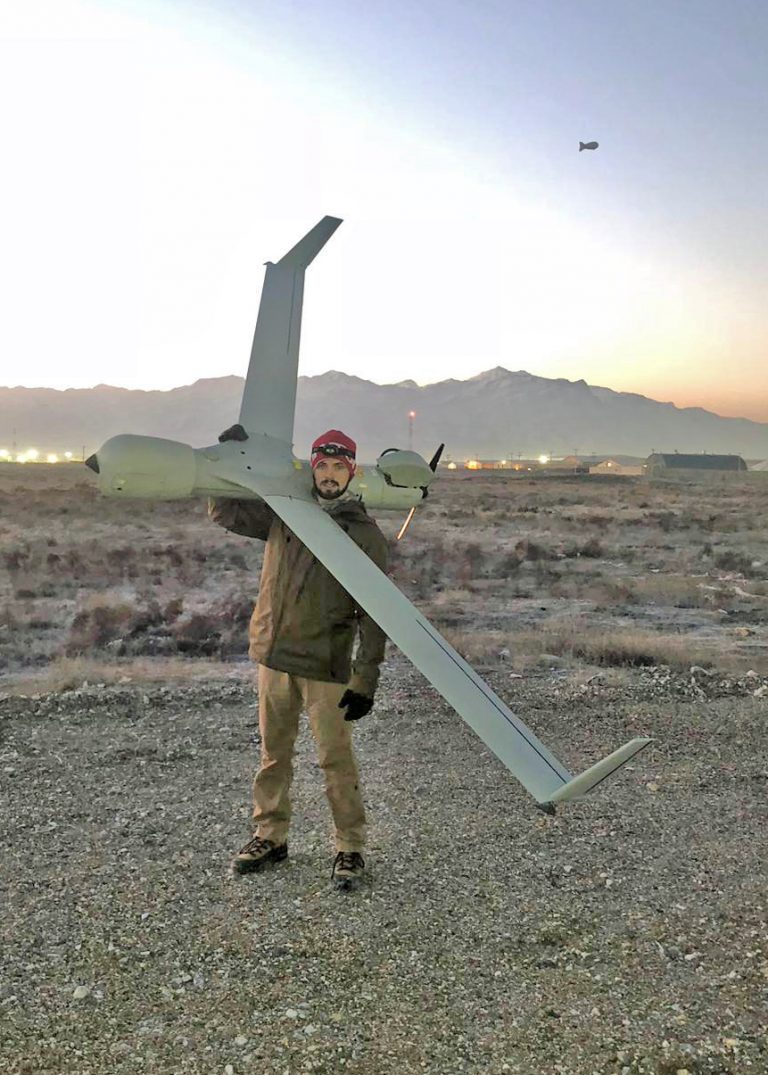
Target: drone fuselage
<point>136,467</point>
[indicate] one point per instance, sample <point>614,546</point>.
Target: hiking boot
<point>258,853</point>
<point>348,869</point>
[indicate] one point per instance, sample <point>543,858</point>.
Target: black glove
<point>356,705</point>
<point>235,432</point>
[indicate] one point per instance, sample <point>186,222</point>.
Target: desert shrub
<point>673,591</point>
<point>473,556</point>
<point>98,624</point>
<point>117,623</point>
<point>420,569</point>
<point>121,557</point>
<point>530,550</point>
<point>33,586</point>
<point>16,559</point>
<point>70,673</point>
<point>220,630</point>
<point>147,614</point>
<point>478,646</point>
<point>592,549</point>
<point>173,609</point>
<point>730,560</point>
<point>198,634</point>
<point>665,520</point>
<point>619,647</point>
<point>633,648</point>
<point>236,559</point>
<point>505,566</point>
<point>605,592</point>
<point>73,564</point>
<point>545,575</point>
<point>40,621</point>
<point>577,641</point>
<point>171,554</point>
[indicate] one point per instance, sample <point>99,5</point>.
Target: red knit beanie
<point>335,445</point>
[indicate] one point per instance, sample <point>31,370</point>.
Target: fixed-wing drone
<point>264,466</point>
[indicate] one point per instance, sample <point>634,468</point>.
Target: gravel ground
<point>627,934</point>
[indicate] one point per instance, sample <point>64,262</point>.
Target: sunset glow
<point>475,234</point>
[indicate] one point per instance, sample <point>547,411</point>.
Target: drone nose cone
<point>93,463</point>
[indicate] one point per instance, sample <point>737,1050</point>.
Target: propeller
<point>433,467</point>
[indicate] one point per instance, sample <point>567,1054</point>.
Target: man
<point>302,634</point>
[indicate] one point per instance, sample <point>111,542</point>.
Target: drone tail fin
<point>590,778</point>
<point>269,396</point>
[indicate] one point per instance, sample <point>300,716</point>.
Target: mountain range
<point>496,414</point>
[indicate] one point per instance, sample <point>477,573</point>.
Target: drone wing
<point>269,396</point>
<point>505,734</point>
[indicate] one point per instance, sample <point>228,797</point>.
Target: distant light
<point>51,458</point>
<point>4,453</point>
<point>473,464</point>
<point>67,455</point>
<point>32,453</point>
<point>451,466</point>
<point>411,414</point>
<point>543,459</point>
<point>503,462</point>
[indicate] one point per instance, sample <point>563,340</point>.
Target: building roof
<point>593,460</point>
<point>681,460</point>
<point>617,464</point>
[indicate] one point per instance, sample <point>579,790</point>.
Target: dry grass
<point>71,673</point>
<point>661,564</point>
<point>579,642</point>
<point>595,647</point>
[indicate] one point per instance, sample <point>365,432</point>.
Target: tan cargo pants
<point>282,698</point>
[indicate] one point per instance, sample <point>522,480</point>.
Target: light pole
<point>411,416</point>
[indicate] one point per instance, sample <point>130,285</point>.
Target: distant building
<point>488,464</point>
<point>602,464</point>
<point>659,463</point>
<point>584,461</point>
<point>613,466</point>
<point>499,464</point>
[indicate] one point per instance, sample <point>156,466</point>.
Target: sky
<point>155,155</point>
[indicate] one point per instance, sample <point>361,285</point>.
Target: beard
<point>330,489</point>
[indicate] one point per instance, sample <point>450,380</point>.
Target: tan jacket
<point>305,622</point>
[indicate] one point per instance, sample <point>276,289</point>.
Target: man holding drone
<point>302,635</point>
